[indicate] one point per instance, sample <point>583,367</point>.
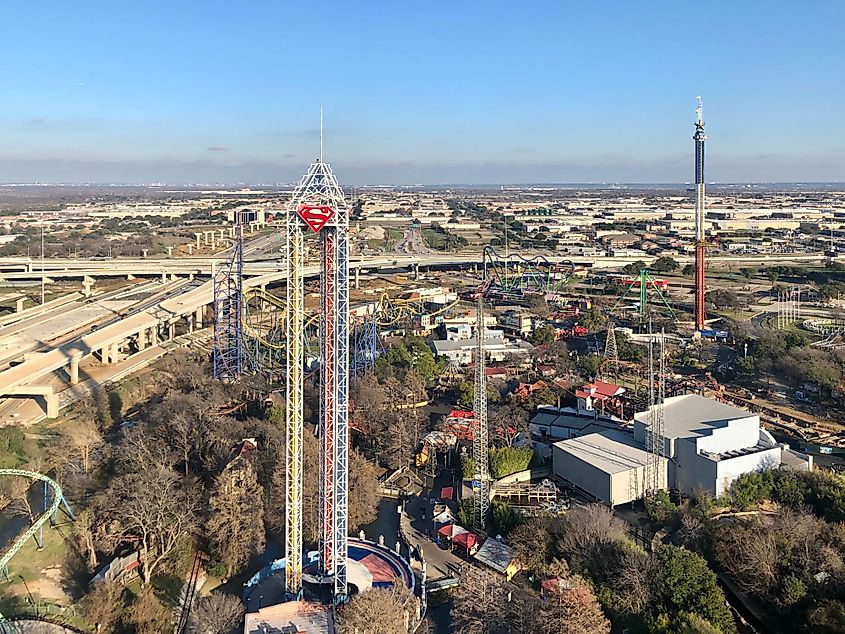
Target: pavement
<point>418,527</point>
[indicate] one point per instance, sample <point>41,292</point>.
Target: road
<point>418,526</point>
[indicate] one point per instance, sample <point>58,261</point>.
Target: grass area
<point>434,239</point>
<point>391,237</point>
<point>30,562</point>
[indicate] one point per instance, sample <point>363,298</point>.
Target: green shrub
<point>12,441</point>
<point>508,460</point>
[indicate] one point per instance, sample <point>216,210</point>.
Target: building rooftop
<point>293,617</point>
<point>691,415</point>
<point>610,451</point>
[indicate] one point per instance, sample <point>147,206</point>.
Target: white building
<point>709,444</point>
<point>706,446</point>
<point>460,352</point>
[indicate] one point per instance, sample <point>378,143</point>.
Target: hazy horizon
<point>218,92</point>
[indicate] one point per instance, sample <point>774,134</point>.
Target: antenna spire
<point>321,131</point>
<point>699,121</point>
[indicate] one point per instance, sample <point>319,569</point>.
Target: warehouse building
<point>710,444</point>
<point>608,465</point>
<point>706,446</point>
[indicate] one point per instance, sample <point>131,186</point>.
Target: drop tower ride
<point>699,137</point>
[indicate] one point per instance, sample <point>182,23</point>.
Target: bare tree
<point>154,508</point>
<point>532,543</point>
<point>749,552</point>
<point>236,519</point>
<point>217,613</point>
<point>103,605</point>
<point>573,609</point>
<point>584,529</point>
<point>147,615</point>
<point>17,492</point>
<point>377,611</point>
<point>84,533</point>
<point>480,601</point>
<point>141,451</point>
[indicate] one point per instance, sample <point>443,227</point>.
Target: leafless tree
<point>217,613</point>
<point>103,606</point>
<point>532,542</point>
<point>157,509</point>
<point>573,609</point>
<point>584,529</point>
<point>749,552</point>
<point>377,611</point>
<point>17,492</point>
<point>236,516</point>
<point>141,451</point>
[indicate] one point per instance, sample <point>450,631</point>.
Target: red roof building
<point>599,397</point>
<point>524,390</point>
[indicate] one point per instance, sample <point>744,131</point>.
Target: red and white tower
<point>319,206</point>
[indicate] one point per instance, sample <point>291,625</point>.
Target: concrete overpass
<point>189,308</point>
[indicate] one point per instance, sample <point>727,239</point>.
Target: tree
<point>573,609</point>
<point>634,268</point>
<point>155,509</point>
<point>665,264</point>
<point>466,394</point>
<point>377,610</point>
<point>507,422</point>
<point>102,607</point>
<point>507,460</point>
<point>363,490</point>
<point>217,613</point>
<point>686,584</point>
<point>688,270</point>
<point>584,529</point>
<point>147,615</point>
<point>543,336</point>
<point>593,320</point>
<point>532,542</point>
<point>236,520</point>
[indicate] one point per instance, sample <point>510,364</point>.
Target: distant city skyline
<point>471,93</point>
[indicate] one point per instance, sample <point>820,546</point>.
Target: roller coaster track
<point>48,515</point>
<point>516,274</point>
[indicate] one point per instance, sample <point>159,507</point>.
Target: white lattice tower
<point>318,205</point>
<point>611,354</point>
<point>481,482</point>
<point>656,430</point>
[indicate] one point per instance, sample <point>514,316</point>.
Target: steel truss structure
<point>366,345</point>
<point>480,442</point>
<point>228,352</point>
<point>318,205</point>
<point>656,431</point>
<point>644,282</point>
<point>515,275</point>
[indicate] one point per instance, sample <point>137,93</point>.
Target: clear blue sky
<point>432,92</point>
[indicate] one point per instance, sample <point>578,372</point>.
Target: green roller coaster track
<point>37,526</point>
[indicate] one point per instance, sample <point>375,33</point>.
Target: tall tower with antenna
<point>699,138</point>
<point>481,481</point>
<point>319,206</point>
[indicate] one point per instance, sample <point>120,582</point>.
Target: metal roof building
<point>609,465</point>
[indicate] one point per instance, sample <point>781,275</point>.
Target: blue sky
<point>420,92</point>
